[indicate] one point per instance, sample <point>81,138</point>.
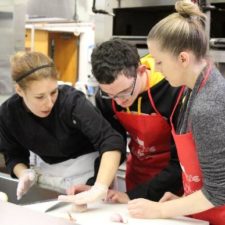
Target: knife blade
<point>57,206</point>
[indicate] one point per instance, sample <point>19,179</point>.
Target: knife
<point>57,205</point>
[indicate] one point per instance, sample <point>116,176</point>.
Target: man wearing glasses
<point>137,102</point>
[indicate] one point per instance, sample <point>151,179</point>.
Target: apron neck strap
<point>140,98</point>
<point>149,93</point>
<point>176,104</point>
<point>114,105</point>
<point>206,76</point>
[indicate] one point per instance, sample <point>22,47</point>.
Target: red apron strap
<point>207,73</point>
<point>150,97</point>
<point>113,105</point>
<point>182,90</point>
<point>175,107</point>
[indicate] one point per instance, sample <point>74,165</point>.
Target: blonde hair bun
<point>187,8</point>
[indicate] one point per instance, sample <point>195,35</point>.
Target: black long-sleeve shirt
<point>73,128</point>
<point>169,179</point>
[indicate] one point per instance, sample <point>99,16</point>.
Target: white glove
<point>26,181</point>
<point>96,193</point>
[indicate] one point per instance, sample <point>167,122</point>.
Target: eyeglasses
<point>121,95</point>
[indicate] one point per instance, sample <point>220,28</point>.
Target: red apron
<point>149,145</point>
<point>191,172</point>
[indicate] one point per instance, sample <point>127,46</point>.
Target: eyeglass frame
<point>122,96</point>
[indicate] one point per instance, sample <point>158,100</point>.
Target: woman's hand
<point>144,209</point>
<point>27,179</point>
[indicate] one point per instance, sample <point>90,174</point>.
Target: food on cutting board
<point>118,218</point>
<point>79,208</point>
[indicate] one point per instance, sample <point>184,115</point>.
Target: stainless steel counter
<point>35,194</point>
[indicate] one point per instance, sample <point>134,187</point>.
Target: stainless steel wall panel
<point>12,29</point>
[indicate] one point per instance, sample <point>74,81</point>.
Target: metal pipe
<point>100,11</point>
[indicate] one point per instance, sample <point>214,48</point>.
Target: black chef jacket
<point>73,128</point>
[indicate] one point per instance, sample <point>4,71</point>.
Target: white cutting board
<point>100,213</point>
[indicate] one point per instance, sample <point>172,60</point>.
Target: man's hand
<point>78,189</point>
<point>26,181</point>
<point>117,197</point>
<point>94,194</point>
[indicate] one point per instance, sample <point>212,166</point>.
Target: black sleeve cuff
<point>10,166</point>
